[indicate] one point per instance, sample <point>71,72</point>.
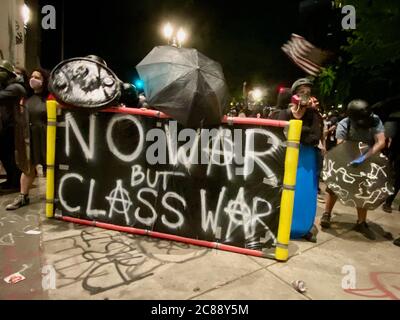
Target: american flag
<point>305,55</point>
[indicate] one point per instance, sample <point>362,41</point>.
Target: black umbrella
<point>184,84</point>
<point>366,185</point>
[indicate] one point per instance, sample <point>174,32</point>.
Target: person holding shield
<point>363,126</point>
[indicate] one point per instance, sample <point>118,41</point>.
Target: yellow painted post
<point>51,155</point>
<point>289,184</point>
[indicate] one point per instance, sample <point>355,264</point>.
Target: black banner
<point>220,184</point>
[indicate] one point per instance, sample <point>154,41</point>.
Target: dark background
<point>245,37</point>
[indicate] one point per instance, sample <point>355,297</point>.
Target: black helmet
<point>96,59</point>
<point>359,112</point>
<point>7,66</point>
<point>301,82</point>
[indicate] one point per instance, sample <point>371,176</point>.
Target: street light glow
<point>26,14</point>
<point>168,31</point>
<point>257,94</point>
<point>181,35</point>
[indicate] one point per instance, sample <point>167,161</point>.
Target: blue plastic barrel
<point>305,200</point>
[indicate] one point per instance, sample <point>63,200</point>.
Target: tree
<point>365,65</point>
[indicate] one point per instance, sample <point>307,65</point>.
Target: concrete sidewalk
<point>92,263</point>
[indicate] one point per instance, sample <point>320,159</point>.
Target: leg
<point>330,200</point>
<point>22,199</point>
<point>362,226</point>
<point>362,215</point>
<point>387,206</point>
<point>26,182</point>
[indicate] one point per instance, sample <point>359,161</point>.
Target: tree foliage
<point>366,64</point>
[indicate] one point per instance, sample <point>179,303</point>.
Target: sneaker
<point>20,201</point>
<point>397,242</point>
<point>387,208</point>
<point>364,229</point>
<point>326,220</point>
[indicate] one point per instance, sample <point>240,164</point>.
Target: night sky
<point>245,37</point>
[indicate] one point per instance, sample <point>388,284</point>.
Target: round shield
<point>84,83</point>
<point>363,186</point>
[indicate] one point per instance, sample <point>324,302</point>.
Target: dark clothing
<point>311,132</point>
<point>7,157</point>
<point>36,107</point>
<point>392,130</point>
<point>396,166</point>
<point>10,97</point>
<point>347,130</point>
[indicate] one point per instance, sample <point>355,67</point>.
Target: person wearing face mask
<point>304,107</point>
<point>36,115</point>
<point>11,93</point>
<point>361,125</point>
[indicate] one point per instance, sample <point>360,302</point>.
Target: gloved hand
<point>358,161</point>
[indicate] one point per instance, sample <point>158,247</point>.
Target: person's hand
<point>314,103</point>
<point>358,161</point>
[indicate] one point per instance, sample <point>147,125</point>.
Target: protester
<point>361,125</point>
<point>22,78</point>
<point>392,132</point>
<point>35,107</point>
<point>330,133</point>
<point>282,102</point>
<point>11,93</point>
<point>302,107</point>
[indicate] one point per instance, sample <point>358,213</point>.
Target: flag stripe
<point>300,51</point>
<point>301,61</point>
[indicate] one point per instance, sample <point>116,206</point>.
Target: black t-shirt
<point>311,132</point>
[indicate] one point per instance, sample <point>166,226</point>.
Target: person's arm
<point>378,146</point>
<point>341,131</point>
<point>12,91</point>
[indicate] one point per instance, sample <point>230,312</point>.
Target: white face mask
<point>35,84</point>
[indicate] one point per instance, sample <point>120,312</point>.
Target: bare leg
<point>22,199</point>
<point>362,215</point>
<point>26,183</point>
<point>330,200</point>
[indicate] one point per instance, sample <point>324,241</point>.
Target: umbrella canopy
<point>184,84</point>
<point>364,186</point>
